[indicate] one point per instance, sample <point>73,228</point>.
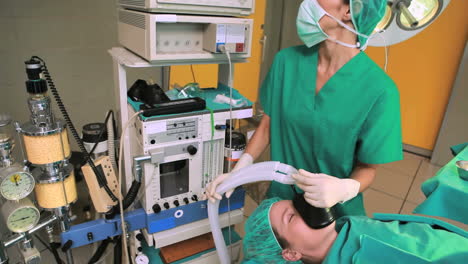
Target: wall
<point>424,68</point>
<point>73,38</point>
<point>246,75</point>
<point>454,129</point>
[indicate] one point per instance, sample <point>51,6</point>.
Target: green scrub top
<point>355,116</point>
<point>397,239</point>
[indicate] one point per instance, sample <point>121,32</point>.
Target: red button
<point>240,47</point>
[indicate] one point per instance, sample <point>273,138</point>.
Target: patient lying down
<point>276,233</point>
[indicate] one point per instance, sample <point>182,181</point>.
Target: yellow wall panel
<point>424,69</point>
<point>246,75</point>
<point>205,74</point>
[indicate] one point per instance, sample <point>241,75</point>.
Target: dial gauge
<point>21,215</point>
<point>16,185</point>
<point>142,259</point>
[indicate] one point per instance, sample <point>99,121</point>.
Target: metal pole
<point>18,237</point>
<point>44,223</point>
<point>69,256</point>
<point>62,214</point>
<point>3,255</point>
<point>407,14</point>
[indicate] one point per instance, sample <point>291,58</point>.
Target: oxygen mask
<point>314,217</point>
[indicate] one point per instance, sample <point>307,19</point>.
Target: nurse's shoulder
<point>377,78</point>
<point>292,55</point>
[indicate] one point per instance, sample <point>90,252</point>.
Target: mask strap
<point>348,27</point>
<point>374,35</point>
<point>358,44</point>
<point>345,44</point>
<point>339,21</point>
<point>341,42</point>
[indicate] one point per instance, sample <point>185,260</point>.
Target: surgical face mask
<point>308,27</point>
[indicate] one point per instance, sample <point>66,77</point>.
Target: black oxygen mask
<point>315,218</point>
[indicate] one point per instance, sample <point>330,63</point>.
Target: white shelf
<point>130,59</point>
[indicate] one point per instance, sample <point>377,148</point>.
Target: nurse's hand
<point>324,191</point>
<point>210,191</point>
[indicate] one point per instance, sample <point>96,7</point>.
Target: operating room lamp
<point>404,19</point>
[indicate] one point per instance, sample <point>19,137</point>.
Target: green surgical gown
<point>397,239</point>
<point>354,117</point>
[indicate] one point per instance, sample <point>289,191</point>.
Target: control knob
<point>156,208</point>
<point>139,237</point>
<point>192,150</point>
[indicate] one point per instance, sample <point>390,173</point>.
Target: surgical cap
<point>260,244</point>
<point>366,14</point>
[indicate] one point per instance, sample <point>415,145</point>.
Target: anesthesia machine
<point>172,144</point>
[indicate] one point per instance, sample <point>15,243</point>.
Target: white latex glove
<point>244,161</point>
<point>324,191</point>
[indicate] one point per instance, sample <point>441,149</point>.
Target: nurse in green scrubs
<point>328,108</point>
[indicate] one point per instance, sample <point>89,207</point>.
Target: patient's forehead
<point>278,209</point>
<point>282,205</point>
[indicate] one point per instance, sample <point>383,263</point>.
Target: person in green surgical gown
<point>328,108</point>
<point>276,233</point>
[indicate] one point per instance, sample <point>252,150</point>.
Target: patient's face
<point>289,225</point>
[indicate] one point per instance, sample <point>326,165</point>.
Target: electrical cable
<point>51,248</point>
<point>43,243</point>
<point>107,251</point>
<point>128,200</point>
<point>101,179</point>
<point>380,34</point>
<point>386,50</point>
<point>111,129</point>
<point>230,141</point>
<point>55,253</point>
<point>226,51</point>
<point>193,73</point>
<point>118,250</point>
<point>100,251</point>
<point>105,256</point>
<point>386,55</point>
<point>209,170</point>
<point>122,220</point>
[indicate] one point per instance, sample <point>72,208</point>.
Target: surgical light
<point>404,19</point>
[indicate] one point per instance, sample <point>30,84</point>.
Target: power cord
<point>193,73</point>
<point>225,50</point>
<point>52,248</point>
<point>122,219</point>
<point>385,44</point>
<point>386,52</point>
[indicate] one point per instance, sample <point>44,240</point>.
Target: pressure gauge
<point>141,259</point>
<point>20,216</point>
<point>16,183</point>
